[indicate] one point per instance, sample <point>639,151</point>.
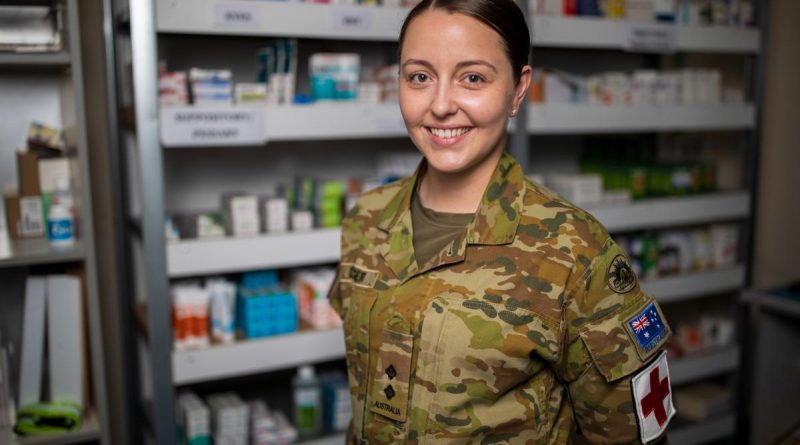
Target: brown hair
<point>504,16</point>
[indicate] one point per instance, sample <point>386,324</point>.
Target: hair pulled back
<point>504,16</point>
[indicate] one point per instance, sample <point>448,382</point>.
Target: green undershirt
<point>434,230</point>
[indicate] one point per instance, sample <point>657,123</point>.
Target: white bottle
<point>60,230</point>
<point>307,402</point>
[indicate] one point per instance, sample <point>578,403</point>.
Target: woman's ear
<point>521,90</point>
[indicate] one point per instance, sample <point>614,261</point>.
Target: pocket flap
<point>390,388</point>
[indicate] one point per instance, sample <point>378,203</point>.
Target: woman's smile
<point>448,136</point>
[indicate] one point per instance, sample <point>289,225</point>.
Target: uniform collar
<point>495,222</point>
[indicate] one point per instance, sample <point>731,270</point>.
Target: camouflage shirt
<point>518,332</point>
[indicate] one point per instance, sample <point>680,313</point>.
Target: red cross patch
<point>653,398</point>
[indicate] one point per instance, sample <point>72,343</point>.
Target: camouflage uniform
<point>516,333</point>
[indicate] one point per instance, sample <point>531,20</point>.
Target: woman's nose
<point>444,103</point>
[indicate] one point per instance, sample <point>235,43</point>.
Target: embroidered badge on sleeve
<point>648,329</point>
<point>653,398</point>
<point>620,276</point>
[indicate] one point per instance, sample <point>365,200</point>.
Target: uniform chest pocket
<point>390,388</point>
<point>479,358</point>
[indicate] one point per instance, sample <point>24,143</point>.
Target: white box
<point>275,215</point>
<point>578,189</point>
<point>65,339</point>
<point>241,215</point>
<point>31,217</point>
<point>51,170</point>
<point>30,380</point>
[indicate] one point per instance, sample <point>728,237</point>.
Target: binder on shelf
<point>65,342</point>
<point>30,384</point>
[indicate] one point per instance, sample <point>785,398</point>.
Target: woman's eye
<point>473,78</point>
<point>418,78</point>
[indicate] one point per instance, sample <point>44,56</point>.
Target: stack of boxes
<point>230,419</point>
<point>194,423</point>
<point>264,307</point>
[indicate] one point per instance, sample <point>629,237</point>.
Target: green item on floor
<point>51,417</point>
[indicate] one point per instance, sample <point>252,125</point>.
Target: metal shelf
<point>669,212</point>
<point>599,33</point>
<point>35,60</point>
<point>257,356</point>
<point>202,257</point>
<point>561,119</point>
<point>39,251</point>
<point>703,432</point>
<point>89,432</point>
<point>227,255</point>
<point>700,284</point>
<point>704,365</point>
<point>281,19</point>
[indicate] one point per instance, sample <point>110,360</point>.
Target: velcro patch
<point>358,275</point>
<point>652,396</point>
<point>647,329</point>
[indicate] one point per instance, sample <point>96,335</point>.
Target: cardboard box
<point>28,174</point>
<point>11,202</point>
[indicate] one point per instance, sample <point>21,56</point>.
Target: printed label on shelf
<point>188,126</point>
<point>351,19</point>
<point>236,15</point>
<point>651,37</point>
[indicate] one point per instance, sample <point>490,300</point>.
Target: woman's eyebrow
<point>460,65</point>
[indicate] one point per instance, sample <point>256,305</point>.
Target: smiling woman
<point>478,306</point>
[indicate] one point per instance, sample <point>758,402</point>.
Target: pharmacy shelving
<point>89,432</point>
<point>594,33</point>
<point>55,60</point>
<point>669,212</point>
<point>257,356</point>
<point>22,253</point>
<point>204,257</point>
<point>336,439</point>
<point>561,119</point>
<point>303,20</point>
<point>354,121</point>
<point>704,365</point>
<point>66,69</point>
<point>188,258</point>
<point>703,432</point>
<point>697,284</point>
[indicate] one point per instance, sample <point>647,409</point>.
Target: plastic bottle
<point>60,226</point>
<point>307,402</point>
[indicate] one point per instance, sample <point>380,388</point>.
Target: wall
<point>777,242</point>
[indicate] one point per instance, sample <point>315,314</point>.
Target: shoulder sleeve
<point>614,333</point>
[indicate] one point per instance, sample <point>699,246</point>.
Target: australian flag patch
<point>648,328</point>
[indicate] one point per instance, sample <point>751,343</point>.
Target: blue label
<point>59,229</point>
<point>648,328</point>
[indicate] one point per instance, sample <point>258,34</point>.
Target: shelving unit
<point>64,68</point>
<point>154,21</point>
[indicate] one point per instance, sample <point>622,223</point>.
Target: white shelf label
<point>236,15</point>
<point>651,37</point>
<point>184,126</point>
<point>351,19</point>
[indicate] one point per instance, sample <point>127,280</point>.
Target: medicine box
<point>578,189</point>
<point>266,311</point>
<point>241,214</point>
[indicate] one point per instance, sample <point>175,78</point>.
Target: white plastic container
<point>60,227</point>
<point>307,402</point>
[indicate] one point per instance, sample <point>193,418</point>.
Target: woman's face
<point>457,90</point>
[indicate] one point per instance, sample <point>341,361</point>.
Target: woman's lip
<point>446,142</point>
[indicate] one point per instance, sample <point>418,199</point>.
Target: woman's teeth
<point>448,133</point>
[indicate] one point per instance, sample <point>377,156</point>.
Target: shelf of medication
<point>598,33</point>
<point>202,257</point>
<point>50,60</point>
<point>702,432</point>
<point>20,253</point>
<point>703,365</point>
<point>676,211</point>
<point>285,351</point>
<point>257,356</point>
<point>188,258</point>
<point>567,118</point>
<point>675,288</point>
<point>89,432</point>
<point>274,18</point>
<point>309,20</point>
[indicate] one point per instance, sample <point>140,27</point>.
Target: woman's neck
<point>459,192</point>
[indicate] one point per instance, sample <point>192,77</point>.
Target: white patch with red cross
<point>653,398</point>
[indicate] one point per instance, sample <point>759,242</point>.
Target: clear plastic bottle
<point>307,402</point>
<point>60,230</point>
